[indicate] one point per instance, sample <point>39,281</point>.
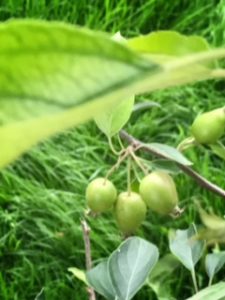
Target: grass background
<point>42,194</point>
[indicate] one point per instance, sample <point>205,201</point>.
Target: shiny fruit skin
<point>159,192</point>
<point>100,195</point>
<point>130,211</point>
<point>208,127</point>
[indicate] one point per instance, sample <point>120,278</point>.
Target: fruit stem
<point>112,147</point>
<point>120,142</point>
<point>139,163</point>
<point>133,166</point>
<point>121,158</point>
<point>129,176</point>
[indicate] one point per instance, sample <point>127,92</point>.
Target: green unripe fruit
<point>100,195</point>
<point>159,192</point>
<point>130,211</point>
<point>208,127</point>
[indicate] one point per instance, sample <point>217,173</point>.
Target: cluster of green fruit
<point>209,127</point>
<point>157,191</point>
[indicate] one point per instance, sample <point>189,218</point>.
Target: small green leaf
<point>100,280</point>
<point>111,121</point>
<point>214,262</point>
<point>215,227</point>
<point>170,153</point>
<point>214,292</point>
<point>219,150</point>
<point>165,165</point>
<point>211,221</point>
<point>169,43</point>
<point>187,249</point>
<point>130,265</point>
<point>79,274</point>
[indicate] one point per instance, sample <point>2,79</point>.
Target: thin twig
<point>139,163</point>
<point>202,181</point>
<point>87,245</point>
<point>121,158</point>
<point>129,176</point>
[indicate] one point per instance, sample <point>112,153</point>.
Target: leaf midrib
<point>132,274</point>
<point>143,64</point>
<point>107,90</point>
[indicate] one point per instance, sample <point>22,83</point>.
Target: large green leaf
<point>129,266</point>
<point>214,292</point>
<point>54,76</point>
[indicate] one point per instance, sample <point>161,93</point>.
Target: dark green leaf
<point>165,165</point>
<point>170,153</point>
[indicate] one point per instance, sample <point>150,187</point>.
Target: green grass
<point>42,194</point>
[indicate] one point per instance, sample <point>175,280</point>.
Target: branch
<point>86,235</point>
<point>203,182</point>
